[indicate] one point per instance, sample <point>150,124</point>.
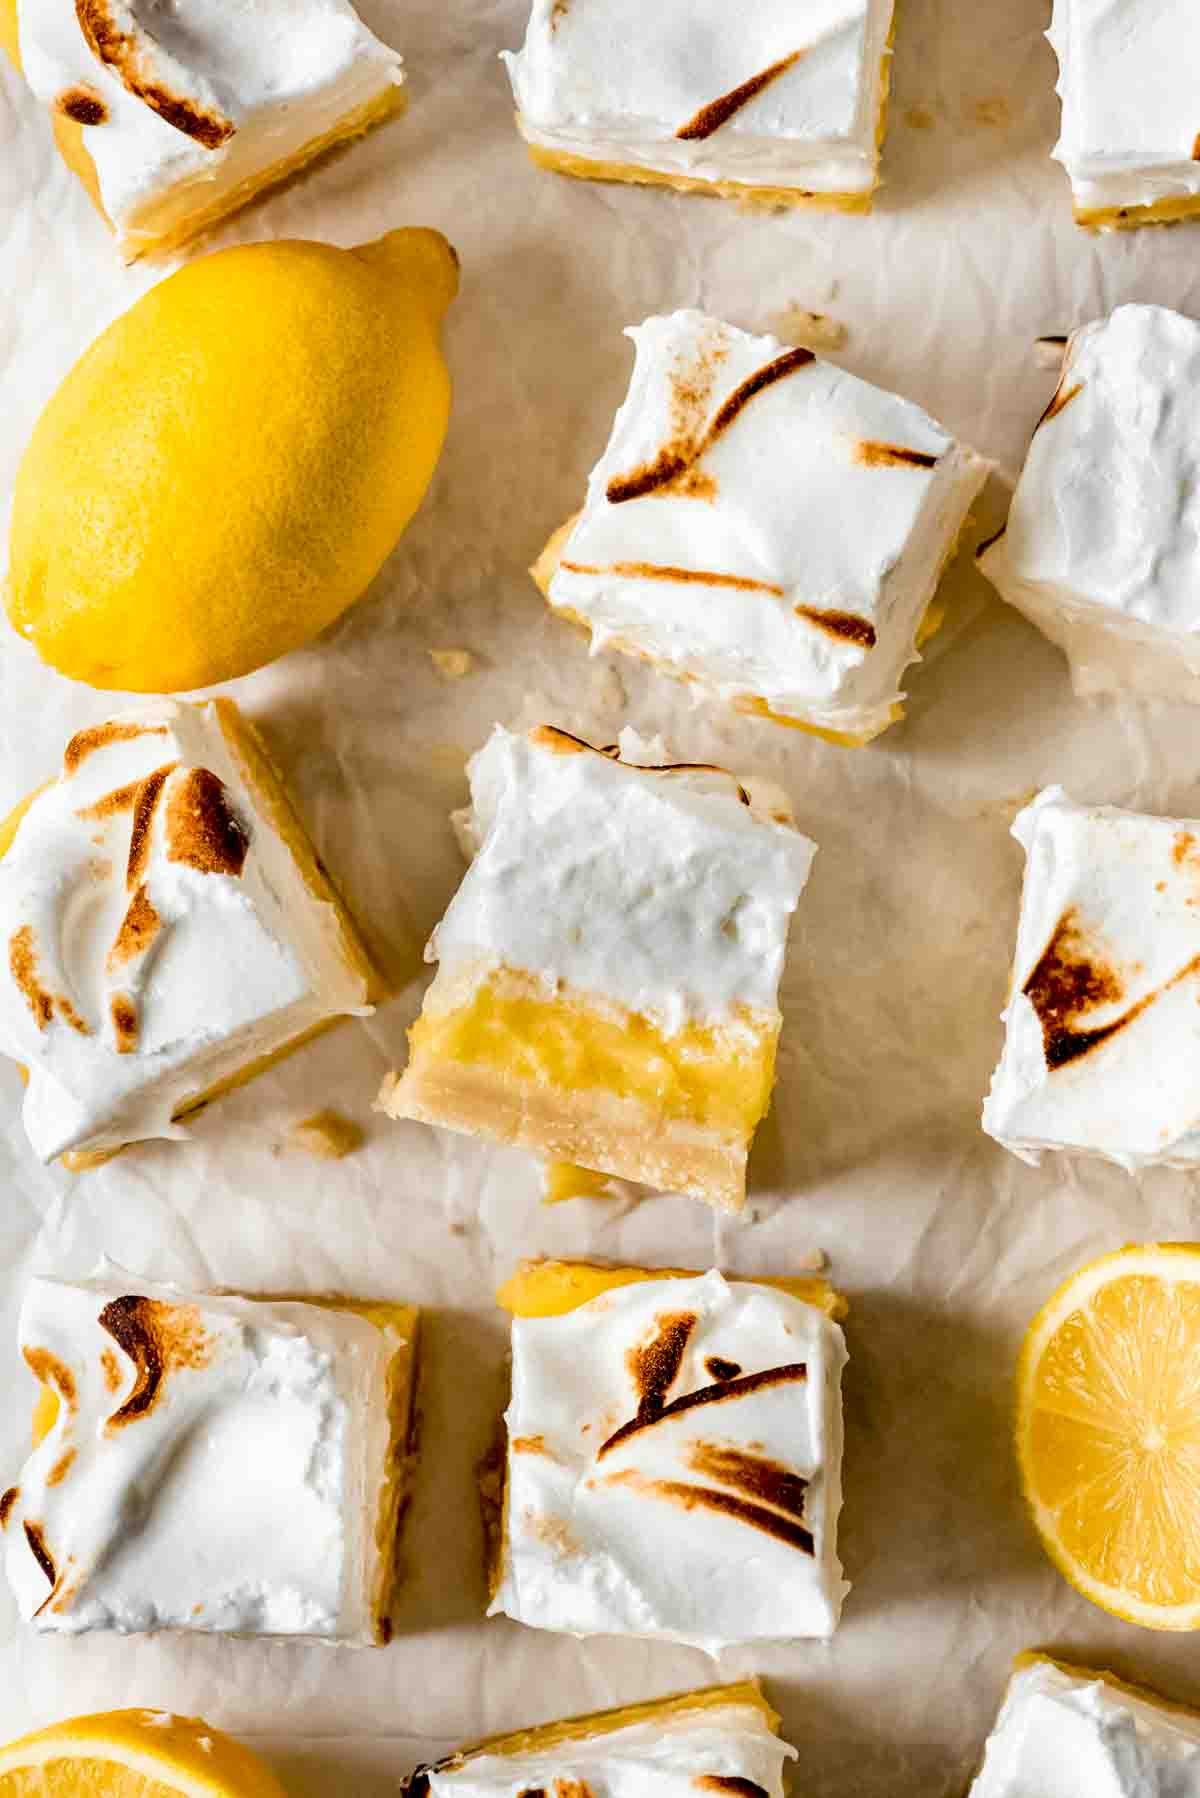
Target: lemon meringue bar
<point>1102,546</point>
<point>166,930</point>
<point>674,1446</point>
<point>210,1463</point>
<point>1102,1042</point>
<point>1066,1732</point>
<point>781,103</point>
<point>607,990</point>
<point>766,526</point>
<point>1128,75</point>
<point>720,1739</point>
<point>175,116</point>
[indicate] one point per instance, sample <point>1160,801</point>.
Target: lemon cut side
<point>133,1754</point>
<point>1108,1432</point>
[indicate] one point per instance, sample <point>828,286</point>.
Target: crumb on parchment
<point>452,663</point>
<point>328,1135</point>
<point>809,330</point>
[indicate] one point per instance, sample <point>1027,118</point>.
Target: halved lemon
<point>133,1754</point>
<point>1108,1432</point>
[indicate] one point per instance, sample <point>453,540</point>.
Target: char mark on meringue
<point>716,113</point>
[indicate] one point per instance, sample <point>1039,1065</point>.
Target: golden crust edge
<point>810,1289</point>
<point>1034,1657</point>
<point>472,1103</point>
<point>752,198</point>
<point>597,1723</point>
<point>1132,218</point>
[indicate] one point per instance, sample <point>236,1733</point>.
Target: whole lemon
<point>228,466</point>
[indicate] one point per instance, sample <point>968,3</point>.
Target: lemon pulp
<point>1109,1433</point>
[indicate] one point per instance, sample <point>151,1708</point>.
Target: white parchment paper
<point>873,1153</point>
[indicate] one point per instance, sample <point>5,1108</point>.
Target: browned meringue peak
<point>675,460</point>
<point>119,39</point>
<point>82,104</point>
<point>562,742</point>
<point>162,917</point>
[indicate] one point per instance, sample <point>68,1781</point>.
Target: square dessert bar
<point>1102,1041</point>
<point>721,1739</point>
<point>1102,546</point>
<point>211,1463</point>
<point>673,1456</point>
<point>166,929</point>
<point>764,525</point>
<point>779,103</point>
<point>1128,76</point>
<point>1066,1732</point>
<point>607,989</point>
<point>175,116</point>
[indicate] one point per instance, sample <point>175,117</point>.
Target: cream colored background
<point>873,1153</point>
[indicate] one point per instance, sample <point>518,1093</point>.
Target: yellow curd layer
<point>552,1288</point>
<point>717,1078</point>
<point>755,199</point>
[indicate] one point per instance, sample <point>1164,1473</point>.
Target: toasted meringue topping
<point>118,37</point>
<point>159,933</point>
<point>159,1339</point>
<point>1065,1733</point>
<point>1100,1026</point>
<point>782,95</point>
<point>1102,548</point>
<point>219,1467</point>
<point>667,889</point>
<point>667,1500</point>
<point>721,1748</point>
<point>1129,76</point>
<point>104,736</point>
<point>183,104</point>
<point>202,831</point>
<point>766,524</point>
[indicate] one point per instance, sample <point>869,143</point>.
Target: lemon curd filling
<point>564,1180</point>
<point>554,1288</point>
<point>269,795</point>
<point>718,1077</point>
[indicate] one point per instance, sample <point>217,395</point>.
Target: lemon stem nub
<point>419,256</point>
